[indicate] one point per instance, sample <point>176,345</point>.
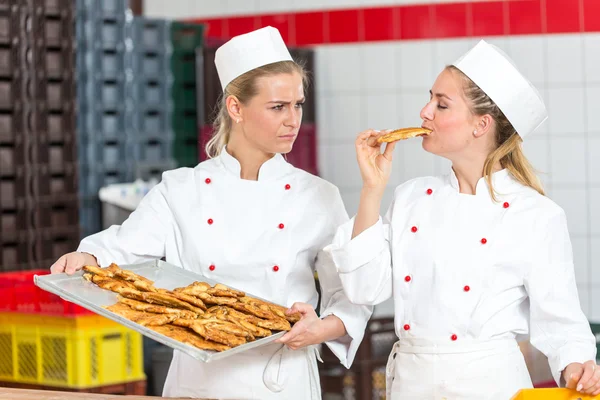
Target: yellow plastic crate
<point>75,352</point>
<point>552,394</point>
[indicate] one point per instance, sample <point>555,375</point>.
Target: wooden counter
<point>25,394</point>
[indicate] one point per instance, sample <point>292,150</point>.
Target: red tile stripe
<point>418,22</point>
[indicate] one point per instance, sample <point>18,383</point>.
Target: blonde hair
<point>508,151</point>
<point>244,89</point>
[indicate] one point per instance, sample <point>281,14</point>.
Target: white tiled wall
<point>379,85</point>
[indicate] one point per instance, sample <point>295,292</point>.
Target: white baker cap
<point>251,50</point>
<point>495,73</point>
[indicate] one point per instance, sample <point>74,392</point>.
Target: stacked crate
<point>124,101</point>
<point>38,170</point>
<point>48,343</point>
<point>101,89</point>
<point>186,62</point>
<point>148,119</point>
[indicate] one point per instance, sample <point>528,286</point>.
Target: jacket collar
<point>273,168</point>
<point>502,182</point>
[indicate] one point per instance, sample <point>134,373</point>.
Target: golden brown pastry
<point>237,293</point>
<point>144,286</point>
<point>153,308</point>
<point>191,290</point>
<point>253,310</point>
<point>98,271</point>
<point>226,326</point>
<point>281,312</point>
<point>225,314</point>
<point>277,324</point>
<point>208,299</point>
<point>127,275</point>
<point>186,336</point>
<point>183,314</point>
<point>210,333</point>
<point>185,297</point>
<point>104,282</point>
<point>169,301</point>
<point>141,317</point>
<point>402,134</point>
<point>130,293</point>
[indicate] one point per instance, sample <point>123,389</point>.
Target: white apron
<point>270,372</point>
<point>426,369</point>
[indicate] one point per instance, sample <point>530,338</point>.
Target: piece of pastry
<point>402,134</point>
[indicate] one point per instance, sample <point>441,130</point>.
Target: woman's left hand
<point>307,331</point>
<point>585,378</point>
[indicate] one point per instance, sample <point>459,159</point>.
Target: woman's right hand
<point>375,167</point>
<point>73,262</point>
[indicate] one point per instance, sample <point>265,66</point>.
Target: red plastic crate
<point>19,294</point>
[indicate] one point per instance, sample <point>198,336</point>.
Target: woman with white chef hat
<point>472,259</point>
<point>247,219</point>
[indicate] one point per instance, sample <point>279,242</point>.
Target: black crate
<point>8,62</point>
<point>59,32</point>
<point>59,64</point>
<point>10,126</point>
<point>55,153</point>
<point>47,246</point>
<point>32,181</point>
<point>60,125</point>
<point>9,24</point>
<point>64,183</point>
<point>11,189</point>
<point>10,94</point>
<point>58,8</point>
<point>60,95</point>
<point>14,156</point>
<point>14,254</point>
<point>54,211</point>
<point>60,157</point>
<point>13,221</point>
<point>37,181</point>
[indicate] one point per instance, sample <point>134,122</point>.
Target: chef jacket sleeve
<point>364,263</point>
<point>559,328</point>
<point>141,237</point>
<point>333,299</point>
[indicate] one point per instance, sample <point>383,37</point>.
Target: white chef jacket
<point>264,237</point>
<point>463,267</point>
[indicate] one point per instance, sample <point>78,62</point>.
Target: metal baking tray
<point>75,289</point>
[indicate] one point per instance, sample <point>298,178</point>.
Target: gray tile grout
<point>587,172</point>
